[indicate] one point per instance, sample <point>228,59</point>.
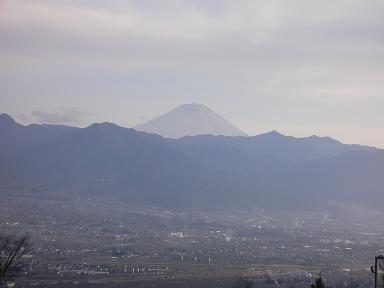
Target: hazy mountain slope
<point>16,138</point>
<point>190,119</point>
<point>105,160</point>
<point>354,177</point>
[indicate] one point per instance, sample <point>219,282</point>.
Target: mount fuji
<point>190,120</point>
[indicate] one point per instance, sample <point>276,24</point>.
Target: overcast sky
<point>299,67</point>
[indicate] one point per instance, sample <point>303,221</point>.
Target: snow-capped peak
<point>190,120</point>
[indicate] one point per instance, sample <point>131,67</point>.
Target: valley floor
<point>99,243</point>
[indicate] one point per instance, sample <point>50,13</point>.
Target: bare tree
<point>319,283</point>
<point>12,248</point>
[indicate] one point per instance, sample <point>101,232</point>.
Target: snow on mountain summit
<point>190,120</point>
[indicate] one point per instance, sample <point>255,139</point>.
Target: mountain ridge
<point>109,161</point>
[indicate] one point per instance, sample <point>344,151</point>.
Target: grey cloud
<point>71,115</point>
<point>183,36</point>
<point>24,118</point>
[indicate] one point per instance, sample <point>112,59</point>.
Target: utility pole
<point>378,270</point>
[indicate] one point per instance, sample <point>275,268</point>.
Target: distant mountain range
<point>205,171</point>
